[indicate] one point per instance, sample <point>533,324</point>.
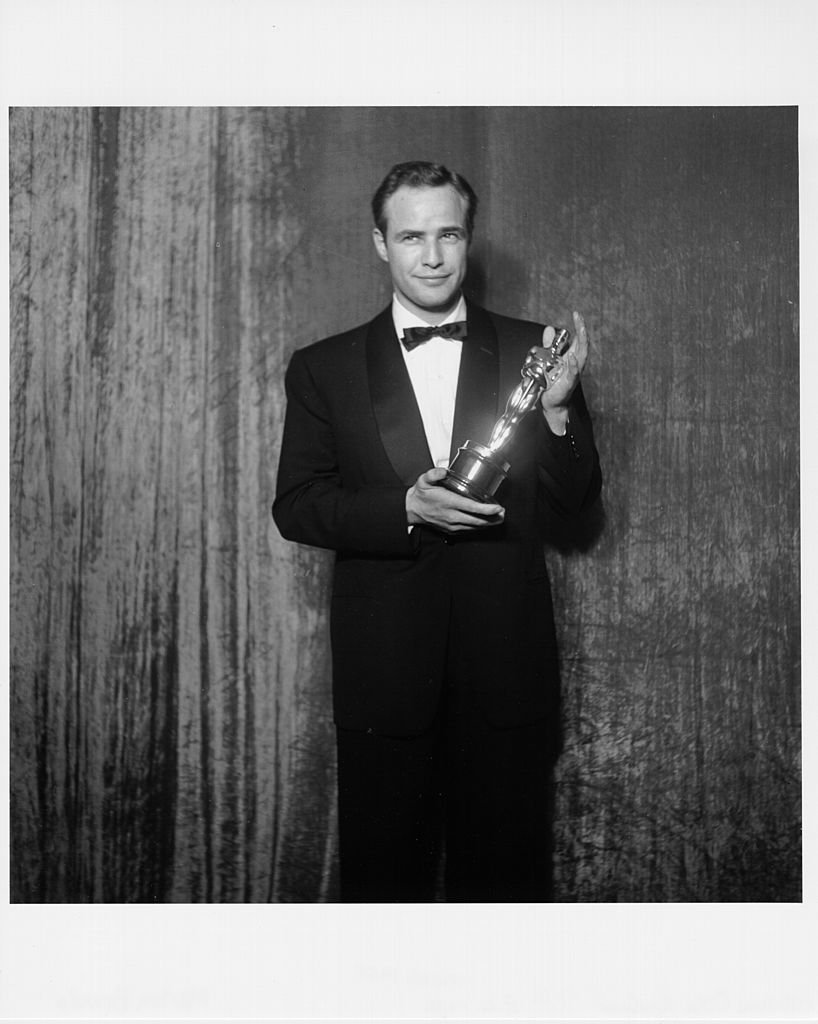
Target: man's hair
<point>422,174</point>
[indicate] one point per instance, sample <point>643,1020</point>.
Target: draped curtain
<point>171,732</point>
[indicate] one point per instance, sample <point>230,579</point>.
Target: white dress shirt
<point>433,369</point>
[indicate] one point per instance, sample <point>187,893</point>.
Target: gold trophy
<point>477,470</point>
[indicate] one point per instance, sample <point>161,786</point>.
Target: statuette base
<point>476,472</point>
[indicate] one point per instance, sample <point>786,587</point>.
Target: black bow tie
<point>414,336</point>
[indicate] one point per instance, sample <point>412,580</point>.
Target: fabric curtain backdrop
<point>171,732</point>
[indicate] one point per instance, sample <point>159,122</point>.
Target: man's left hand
<point>556,398</point>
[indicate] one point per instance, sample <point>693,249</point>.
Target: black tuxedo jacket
<point>414,610</point>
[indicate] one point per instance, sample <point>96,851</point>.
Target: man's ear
<point>380,244</point>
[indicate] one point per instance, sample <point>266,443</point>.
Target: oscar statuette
<point>477,470</point>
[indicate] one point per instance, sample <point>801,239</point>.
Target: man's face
<point>426,246</point>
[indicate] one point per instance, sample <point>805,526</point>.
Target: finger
<point>581,338</point>
<point>475,522</point>
<point>548,336</point>
<point>556,372</point>
<point>459,505</point>
<point>469,506</point>
<point>478,509</point>
<point>581,329</point>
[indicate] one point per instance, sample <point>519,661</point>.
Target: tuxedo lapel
<point>476,406</point>
<point>393,401</point>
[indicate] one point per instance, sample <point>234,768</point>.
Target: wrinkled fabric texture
<point>170,711</point>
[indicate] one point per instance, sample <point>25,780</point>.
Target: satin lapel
<point>393,402</point>
<point>476,408</point>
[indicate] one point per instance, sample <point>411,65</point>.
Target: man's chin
<point>433,301</point>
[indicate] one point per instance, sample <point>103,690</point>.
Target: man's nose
<point>432,253</point>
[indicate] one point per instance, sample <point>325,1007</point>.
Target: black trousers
<point>462,812</point>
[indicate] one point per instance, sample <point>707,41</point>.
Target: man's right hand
<point>429,504</point>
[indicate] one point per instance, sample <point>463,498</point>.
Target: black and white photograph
<point>182,674</point>
<point>406,534</point>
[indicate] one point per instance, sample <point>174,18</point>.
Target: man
<point>445,676</point>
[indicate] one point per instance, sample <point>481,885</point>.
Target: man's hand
<point>430,504</point>
<point>556,398</point>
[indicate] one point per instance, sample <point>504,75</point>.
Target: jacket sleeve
<point>569,472</point>
<point>313,503</point>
